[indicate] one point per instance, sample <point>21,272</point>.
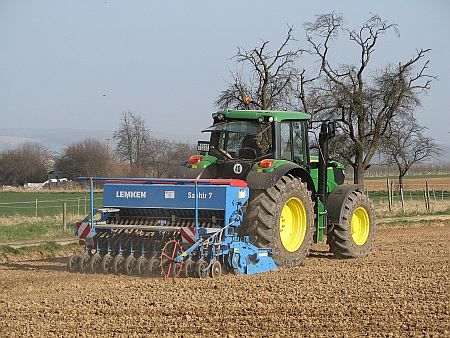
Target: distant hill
<point>54,139</point>
<point>58,139</point>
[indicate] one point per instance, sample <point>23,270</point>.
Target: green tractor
<point>295,198</point>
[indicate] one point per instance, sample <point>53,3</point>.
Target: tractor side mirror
<point>203,146</point>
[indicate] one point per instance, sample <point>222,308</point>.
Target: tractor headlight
<point>261,119</point>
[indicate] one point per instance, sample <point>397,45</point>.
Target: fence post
<point>36,210</point>
<point>78,206</point>
<point>85,211</point>
<point>403,201</point>
<point>392,191</point>
<point>427,197</point>
<point>65,216</point>
<point>389,195</point>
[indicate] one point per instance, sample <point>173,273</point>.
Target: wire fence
<point>49,207</point>
<point>387,198</point>
<point>390,199</point>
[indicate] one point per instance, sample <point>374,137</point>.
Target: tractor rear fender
<point>336,200</point>
<point>256,180</point>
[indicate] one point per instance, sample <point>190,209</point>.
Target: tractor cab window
<point>292,146</point>
<point>286,145</point>
<point>241,139</point>
<point>297,137</point>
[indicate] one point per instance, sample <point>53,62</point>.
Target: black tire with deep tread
<point>341,241</point>
<point>262,218</point>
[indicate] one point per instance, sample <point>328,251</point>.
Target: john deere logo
<point>237,168</point>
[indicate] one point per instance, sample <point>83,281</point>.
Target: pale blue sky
<point>168,60</point>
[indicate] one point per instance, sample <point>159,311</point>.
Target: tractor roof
<point>254,114</point>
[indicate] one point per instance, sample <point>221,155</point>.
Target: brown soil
<point>400,290</point>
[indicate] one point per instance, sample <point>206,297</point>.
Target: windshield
<point>241,139</point>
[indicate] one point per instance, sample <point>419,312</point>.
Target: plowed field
<point>401,290</point>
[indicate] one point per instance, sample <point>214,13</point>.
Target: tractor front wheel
<point>282,218</point>
<point>353,237</point>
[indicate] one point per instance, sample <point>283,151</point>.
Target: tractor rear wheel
<point>282,218</point>
<point>353,237</point>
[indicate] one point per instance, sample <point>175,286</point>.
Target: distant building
<point>56,175</point>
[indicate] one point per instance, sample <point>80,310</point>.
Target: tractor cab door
<point>293,145</point>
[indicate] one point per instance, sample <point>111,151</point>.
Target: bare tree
<point>163,155</point>
<point>28,162</point>
<point>405,144</point>
<point>86,158</point>
<point>266,79</point>
<point>132,138</point>
<point>365,99</point>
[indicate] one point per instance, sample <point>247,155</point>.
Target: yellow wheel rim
<point>360,226</point>
<point>293,224</point>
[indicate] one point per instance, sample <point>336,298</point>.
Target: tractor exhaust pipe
<point>323,161</point>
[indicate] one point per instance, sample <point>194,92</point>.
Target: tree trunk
<point>400,182</point>
<point>358,174</point>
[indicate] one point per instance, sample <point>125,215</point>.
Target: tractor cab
<point>245,141</point>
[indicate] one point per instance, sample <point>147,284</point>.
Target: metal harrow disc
<point>83,262</point>
<point>72,263</point>
<point>129,265</point>
<point>141,266</point>
<point>169,267</point>
<point>201,268</point>
<point>117,264</point>
<point>153,267</point>
<point>189,268</point>
<point>94,263</point>
<point>216,269</point>
<point>105,263</point>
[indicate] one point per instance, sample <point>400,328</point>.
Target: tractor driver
<point>254,146</point>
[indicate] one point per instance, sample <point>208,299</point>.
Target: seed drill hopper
<point>170,228</point>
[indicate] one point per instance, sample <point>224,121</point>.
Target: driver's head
<point>249,141</point>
